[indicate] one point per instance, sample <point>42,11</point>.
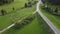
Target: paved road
<point>46,19</point>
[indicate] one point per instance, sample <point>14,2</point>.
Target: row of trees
<point>5,1</point>
<point>30,3</point>
<point>56,2</point>
<point>4,12</point>
<point>51,10</point>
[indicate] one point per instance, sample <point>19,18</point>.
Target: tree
<point>3,12</point>
<point>13,8</point>
<point>35,2</point>
<point>56,2</point>
<point>43,1</point>
<point>25,5</point>
<point>56,10</point>
<point>29,4</point>
<point>5,1</point>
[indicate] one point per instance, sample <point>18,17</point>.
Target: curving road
<point>56,31</point>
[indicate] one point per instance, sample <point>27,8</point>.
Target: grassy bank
<point>37,26</point>
<point>15,15</point>
<point>55,19</point>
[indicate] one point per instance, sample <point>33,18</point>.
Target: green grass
<point>16,4</point>
<point>32,28</point>
<point>5,20</point>
<point>55,19</point>
<point>37,26</point>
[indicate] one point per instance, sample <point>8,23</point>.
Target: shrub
<point>56,10</point>
<point>35,2</point>
<point>13,8</point>
<point>17,26</point>
<point>3,12</point>
<point>29,4</point>
<point>27,21</point>
<point>26,5</point>
<point>5,1</point>
<point>23,23</point>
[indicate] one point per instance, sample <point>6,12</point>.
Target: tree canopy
<point>56,2</point>
<point>5,1</point>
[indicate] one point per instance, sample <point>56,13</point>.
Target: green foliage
<point>13,8</point>
<point>3,12</point>
<point>37,26</point>
<point>30,3</point>
<point>55,19</point>
<point>56,10</point>
<point>26,5</point>
<point>45,27</point>
<point>53,2</point>
<point>35,2</point>
<point>17,26</point>
<point>14,16</point>
<point>5,1</point>
<point>24,22</point>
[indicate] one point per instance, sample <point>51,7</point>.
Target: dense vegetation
<point>5,1</point>
<point>56,2</point>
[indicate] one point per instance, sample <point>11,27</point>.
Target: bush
<point>3,12</point>
<point>17,26</point>
<point>29,4</point>
<point>35,2</point>
<point>24,22</point>
<point>27,20</point>
<point>56,10</point>
<point>5,1</point>
<point>48,9</point>
<point>13,8</point>
<point>26,5</point>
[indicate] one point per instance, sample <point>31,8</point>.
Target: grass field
<point>55,19</point>
<point>37,26</point>
<point>16,14</point>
